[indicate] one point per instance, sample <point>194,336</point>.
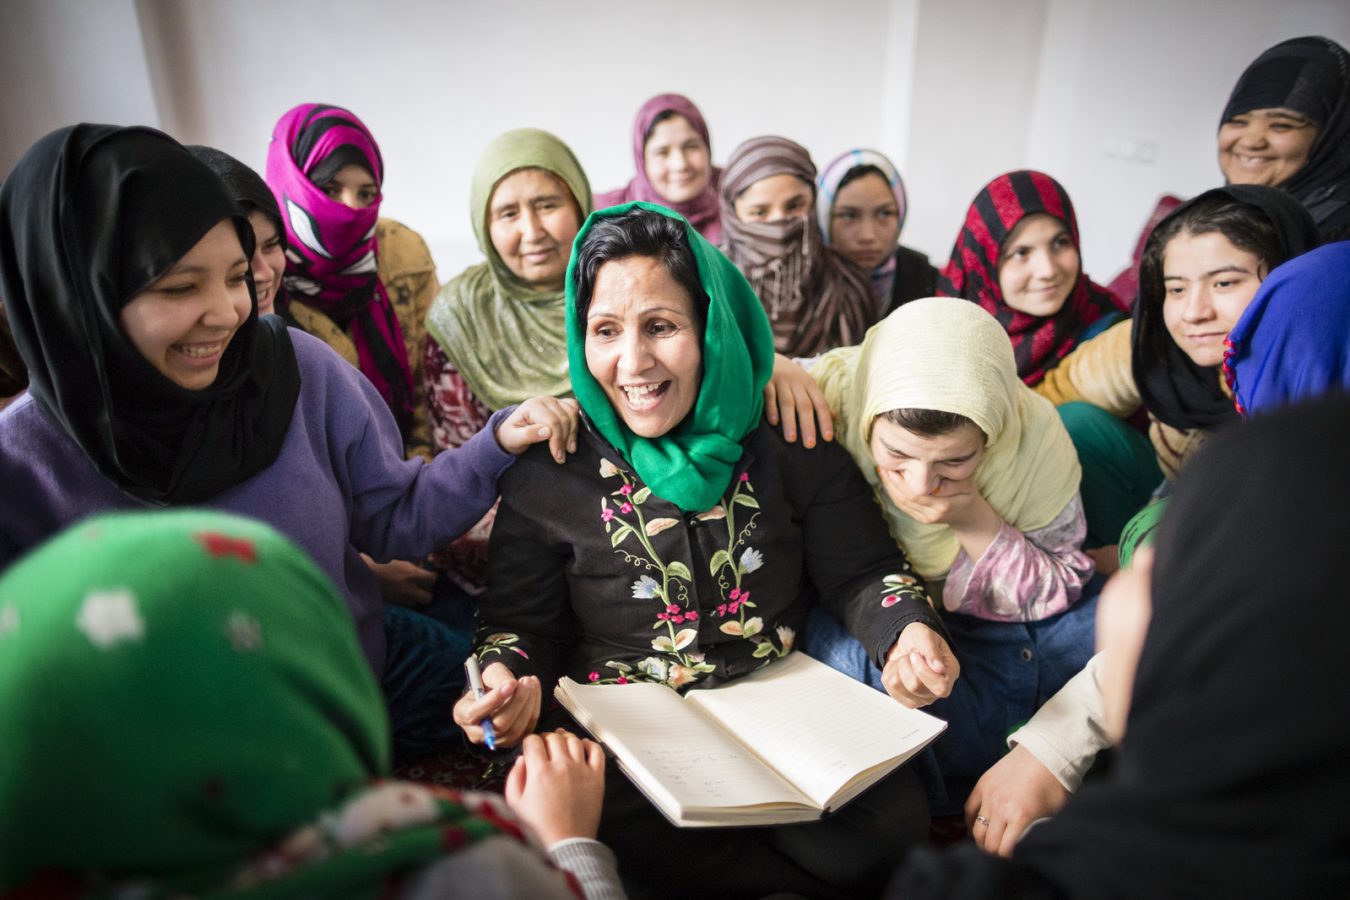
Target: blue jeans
<point>1008,670</point>
<point>424,673</point>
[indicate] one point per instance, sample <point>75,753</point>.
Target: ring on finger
<point>981,820</point>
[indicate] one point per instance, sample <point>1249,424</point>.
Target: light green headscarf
<point>507,340</point>
<point>692,464</point>
<point>178,691</point>
<point>948,354</point>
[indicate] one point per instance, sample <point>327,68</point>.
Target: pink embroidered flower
<point>735,593</point>
<point>664,617</point>
<point>692,615</point>
<point>626,490</point>
<point>890,600</point>
<point>745,476</point>
<point>606,514</point>
<point>626,508</point>
<point>678,620</point>
<point>721,609</point>
<point>595,676</point>
<point>745,597</point>
<point>733,606</point>
<point>672,608</point>
<point>623,680</point>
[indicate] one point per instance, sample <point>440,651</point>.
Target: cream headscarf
<point>948,354</point>
<point>508,341</point>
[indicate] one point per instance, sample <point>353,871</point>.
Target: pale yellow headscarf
<point>948,354</point>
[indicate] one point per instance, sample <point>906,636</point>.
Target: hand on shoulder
<point>541,419</point>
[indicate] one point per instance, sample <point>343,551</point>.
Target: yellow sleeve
<point>1097,372</point>
<point>409,277</point>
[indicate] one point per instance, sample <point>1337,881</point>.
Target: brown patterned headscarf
<point>816,300</point>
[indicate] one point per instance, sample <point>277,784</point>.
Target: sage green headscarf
<point>508,340</point>
<point>691,465</point>
<point>180,690</point>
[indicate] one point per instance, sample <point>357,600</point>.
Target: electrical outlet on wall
<point>1128,149</point>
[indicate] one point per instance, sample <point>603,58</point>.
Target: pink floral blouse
<point>1023,577</point>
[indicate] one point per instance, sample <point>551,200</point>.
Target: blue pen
<point>476,685</point>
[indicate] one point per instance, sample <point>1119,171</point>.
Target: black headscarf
<point>245,185</point>
<point>252,193</point>
<point>1173,387</point>
<point>1234,774</point>
<point>1311,76</point>
<point>91,215</point>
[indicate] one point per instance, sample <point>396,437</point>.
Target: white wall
<point>955,91</point>
<point>67,61</point>
<point>436,81</point>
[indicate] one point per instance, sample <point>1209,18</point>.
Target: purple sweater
<point>340,483</point>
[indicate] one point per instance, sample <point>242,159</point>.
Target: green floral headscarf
<point>507,340</point>
<point>181,691</point>
<point>692,464</point>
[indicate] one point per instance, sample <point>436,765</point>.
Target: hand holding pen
<point>508,706</point>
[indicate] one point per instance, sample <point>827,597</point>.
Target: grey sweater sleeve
<point>594,866</point>
<point>501,868</point>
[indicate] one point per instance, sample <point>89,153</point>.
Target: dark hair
<point>639,232</point>
<point>1245,225</point>
<point>660,117</point>
<point>928,422</point>
<point>857,172</point>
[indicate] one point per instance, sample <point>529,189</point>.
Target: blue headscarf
<point>1293,342</point>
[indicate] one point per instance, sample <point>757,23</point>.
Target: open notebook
<point>783,744</point>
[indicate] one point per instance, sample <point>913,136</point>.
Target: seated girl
<point>1287,124</point>
<point>1017,256</point>
<point>495,333</point>
<point>979,482</point>
<point>1200,269</point>
<point>673,155</point>
<point>1222,783</point>
<point>685,543</point>
<point>816,299</point>
<point>861,206</point>
<point>360,283</point>
<point>155,383</point>
<point>236,744</point>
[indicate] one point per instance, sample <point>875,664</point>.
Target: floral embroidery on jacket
<point>668,583</point>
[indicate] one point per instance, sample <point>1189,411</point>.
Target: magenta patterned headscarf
<point>331,257</point>
<point>703,211</point>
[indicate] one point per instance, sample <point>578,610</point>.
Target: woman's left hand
<point>920,668</point>
<point>1016,791</point>
<point>541,419</point>
<point>793,398</point>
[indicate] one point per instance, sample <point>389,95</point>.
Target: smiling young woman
<point>673,155</point>
<point>1287,125</point>
<point>1017,257</point>
<point>155,383</point>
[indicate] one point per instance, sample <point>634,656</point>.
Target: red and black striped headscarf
<point>1039,342</point>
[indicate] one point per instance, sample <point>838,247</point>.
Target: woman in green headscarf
<point>685,543</point>
<point>184,710</point>
<point>496,331</point>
